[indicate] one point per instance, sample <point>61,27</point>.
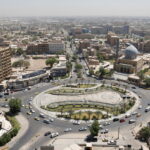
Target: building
<point>47,148</point>
<point>5,63</point>
<point>59,70</point>
<point>145,47</point>
<point>28,79</point>
<point>131,62</point>
<point>112,39</point>
<point>52,47</point>
<point>56,47</point>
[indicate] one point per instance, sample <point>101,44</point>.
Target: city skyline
<point>75,8</point>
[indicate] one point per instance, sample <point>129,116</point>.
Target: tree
<point>102,72</point>
<point>78,67</point>
<point>15,105</point>
<point>147,81</point>
<point>69,66</point>
<point>144,133</point>
<point>94,129</point>
<point>50,61</point>
<point>19,51</point>
<point>21,63</point>
<point>100,58</point>
<point>91,72</point>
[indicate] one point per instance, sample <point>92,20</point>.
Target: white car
<point>51,119</point>
<point>68,130</point>
<point>41,115</point>
<point>140,107</point>
<point>54,134</point>
<point>106,124</point>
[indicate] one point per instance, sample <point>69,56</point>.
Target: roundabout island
<point>86,102</point>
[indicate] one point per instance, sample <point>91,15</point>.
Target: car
<point>31,110</point>
<point>115,119</point>
<point>147,109</point>
<point>46,121</point>
<point>51,119</point>
<point>134,113</point>
<point>101,126</point>
<point>106,124</point>
<point>41,115</point>
<point>29,113</point>
<point>68,130</point>
<point>112,142</point>
<point>133,87</point>
<point>127,115</point>
<point>122,120</point>
<point>37,118</point>
<point>54,134</point>
<point>47,133</point>
<point>83,129</point>
<point>76,123</point>
<point>140,107</point>
<point>104,131</point>
<point>104,140</point>
<point>6,93</point>
<point>26,106</point>
<point>132,121</point>
<point>138,115</point>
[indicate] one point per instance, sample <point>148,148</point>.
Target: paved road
<point>59,125</point>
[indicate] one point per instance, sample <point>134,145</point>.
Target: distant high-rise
<point>5,63</point>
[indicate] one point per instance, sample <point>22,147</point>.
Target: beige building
<point>132,62</point>
<point>112,39</point>
<point>5,63</point>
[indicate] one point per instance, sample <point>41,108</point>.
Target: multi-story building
<point>56,47</point>
<point>53,47</point>
<point>145,46</point>
<point>112,39</point>
<point>5,63</point>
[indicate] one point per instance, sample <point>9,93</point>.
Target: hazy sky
<point>74,7</point>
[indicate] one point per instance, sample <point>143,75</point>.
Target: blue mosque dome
<point>131,52</point>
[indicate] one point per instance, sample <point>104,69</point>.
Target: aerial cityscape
<point>75,75</point>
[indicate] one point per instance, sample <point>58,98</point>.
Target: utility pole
<point>118,132</point>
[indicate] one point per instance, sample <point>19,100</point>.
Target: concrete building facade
<point>5,63</point>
